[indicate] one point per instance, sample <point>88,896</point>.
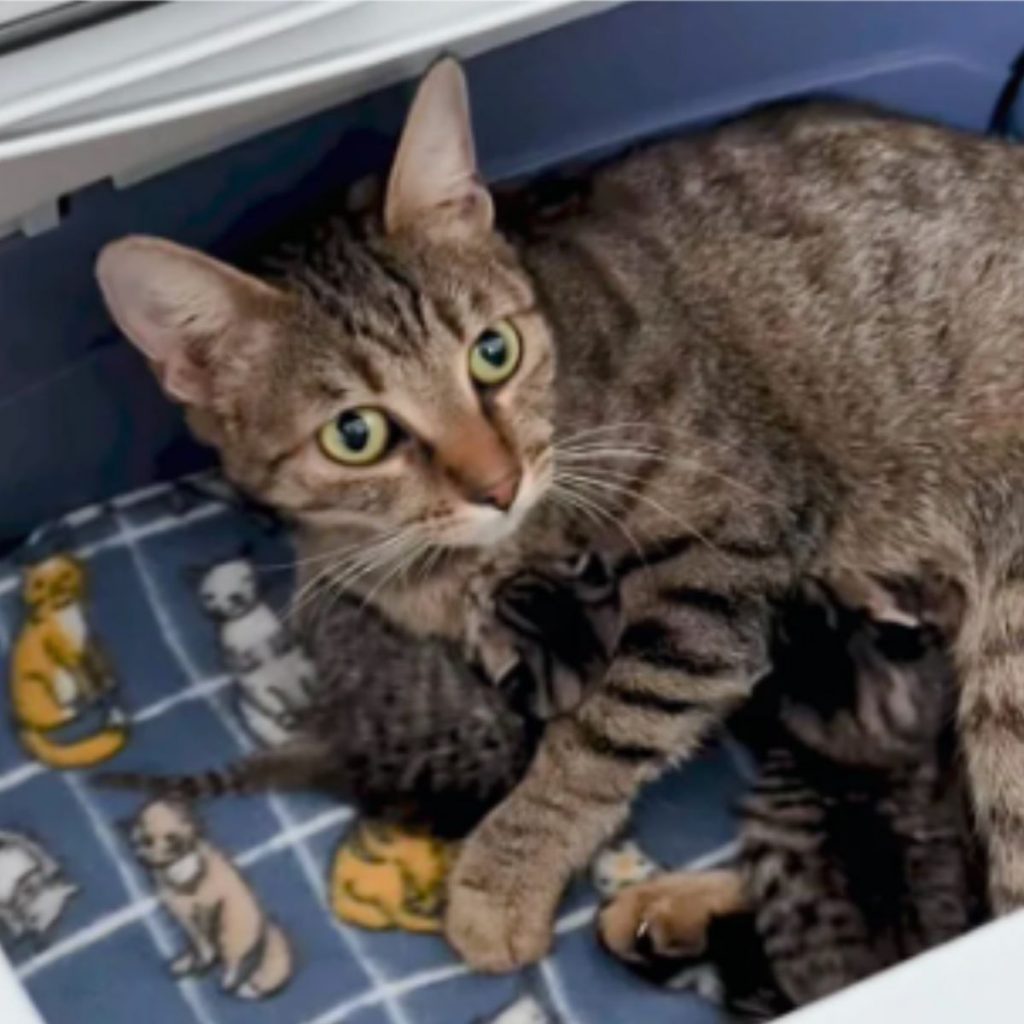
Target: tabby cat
<point>854,849</point>
<point>793,345</point>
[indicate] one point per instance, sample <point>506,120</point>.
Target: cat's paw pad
<point>667,917</point>
<point>500,911</point>
<point>493,934</point>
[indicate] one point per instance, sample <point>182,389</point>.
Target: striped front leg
<point>992,734</point>
<point>677,674</point>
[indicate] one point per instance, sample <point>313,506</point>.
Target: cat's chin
<point>485,529</point>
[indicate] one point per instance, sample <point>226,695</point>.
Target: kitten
<point>34,891</point>
<point>785,347</point>
<point>218,911</point>
<point>275,679</point>
<point>410,730</point>
<point>855,852</point>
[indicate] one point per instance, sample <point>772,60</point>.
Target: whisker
<point>618,489</point>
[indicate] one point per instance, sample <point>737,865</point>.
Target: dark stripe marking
<point>651,642</point>
<point>645,700</point>
<point>713,602</point>
<point>662,551</point>
<point>600,743</point>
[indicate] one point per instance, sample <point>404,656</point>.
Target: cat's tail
<point>293,766</point>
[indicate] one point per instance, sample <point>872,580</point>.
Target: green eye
<point>356,437</point>
<point>495,355</point>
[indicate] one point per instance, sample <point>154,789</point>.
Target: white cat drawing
<point>33,889</point>
<point>525,1010</point>
<point>275,678</point>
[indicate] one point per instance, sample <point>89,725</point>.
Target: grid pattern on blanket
<point>79,915</point>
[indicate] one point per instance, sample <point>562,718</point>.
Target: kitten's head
<point>229,589</point>
<point>865,673</point>
<point>398,382</point>
<point>163,832</point>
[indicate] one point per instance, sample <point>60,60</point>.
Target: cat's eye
<point>356,437</point>
<point>495,355</point>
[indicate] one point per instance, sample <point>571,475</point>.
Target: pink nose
<point>501,493</point>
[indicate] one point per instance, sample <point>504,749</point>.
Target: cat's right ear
<point>180,308</point>
<point>434,185</point>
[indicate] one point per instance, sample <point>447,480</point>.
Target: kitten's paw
<point>667,917</point>
<point>499,917</point>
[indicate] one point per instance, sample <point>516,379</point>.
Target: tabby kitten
<point>792,345</point>
<point>406,729</point>
<point>854,849</point>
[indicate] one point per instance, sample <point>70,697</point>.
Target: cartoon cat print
<point>33,888</point>
<point>275,678</point>
<point>384,877</point>
<point>205,893</point>
<point>62,688</point>
<point>525,1010</point>
<point>622,862</point>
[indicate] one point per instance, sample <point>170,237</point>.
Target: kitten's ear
<point>434,183</point>
<point>176,305</point>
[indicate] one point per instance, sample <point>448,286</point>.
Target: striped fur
<point>855,851</point>
<point>786,346</point>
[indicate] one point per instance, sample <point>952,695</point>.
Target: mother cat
<point>792,345</point>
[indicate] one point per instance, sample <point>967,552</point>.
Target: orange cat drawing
<point>61,686</point>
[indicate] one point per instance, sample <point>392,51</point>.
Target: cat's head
<point>399,382</point>
<point>54,583</point>
<point>163,832</point>
<point>229,589</point>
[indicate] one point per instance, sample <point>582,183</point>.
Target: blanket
<point>150,633</point>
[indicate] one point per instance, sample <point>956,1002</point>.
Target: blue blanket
<point>113,660</point>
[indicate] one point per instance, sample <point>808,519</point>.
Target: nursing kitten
<point>406,728</point>
<point>855,852</point>
<point>788,346</point>
<point>218,911</point>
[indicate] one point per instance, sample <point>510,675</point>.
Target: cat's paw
<point>667,917</point>
<point>499,916</point>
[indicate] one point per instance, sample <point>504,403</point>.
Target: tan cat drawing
<point>212,902</point>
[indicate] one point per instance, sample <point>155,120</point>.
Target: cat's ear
<point>180,308</point>
<point>434,183</point>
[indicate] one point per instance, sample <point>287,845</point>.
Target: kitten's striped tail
<point>286,768</point>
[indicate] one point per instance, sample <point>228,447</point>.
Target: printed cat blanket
<point>150,634</point>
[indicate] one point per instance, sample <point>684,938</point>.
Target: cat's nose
<point>501,493</point>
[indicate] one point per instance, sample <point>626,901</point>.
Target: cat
<point>275,679</point>
<point>855,851</point>
<point>34,890</point>
<point>215,906</point>
<point>786,346</point>
<point>386,878</point>
<point>62,687</point>
<point>410,731</point>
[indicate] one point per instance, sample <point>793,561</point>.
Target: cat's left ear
<point>190,315</point>
<point>434,183</point>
